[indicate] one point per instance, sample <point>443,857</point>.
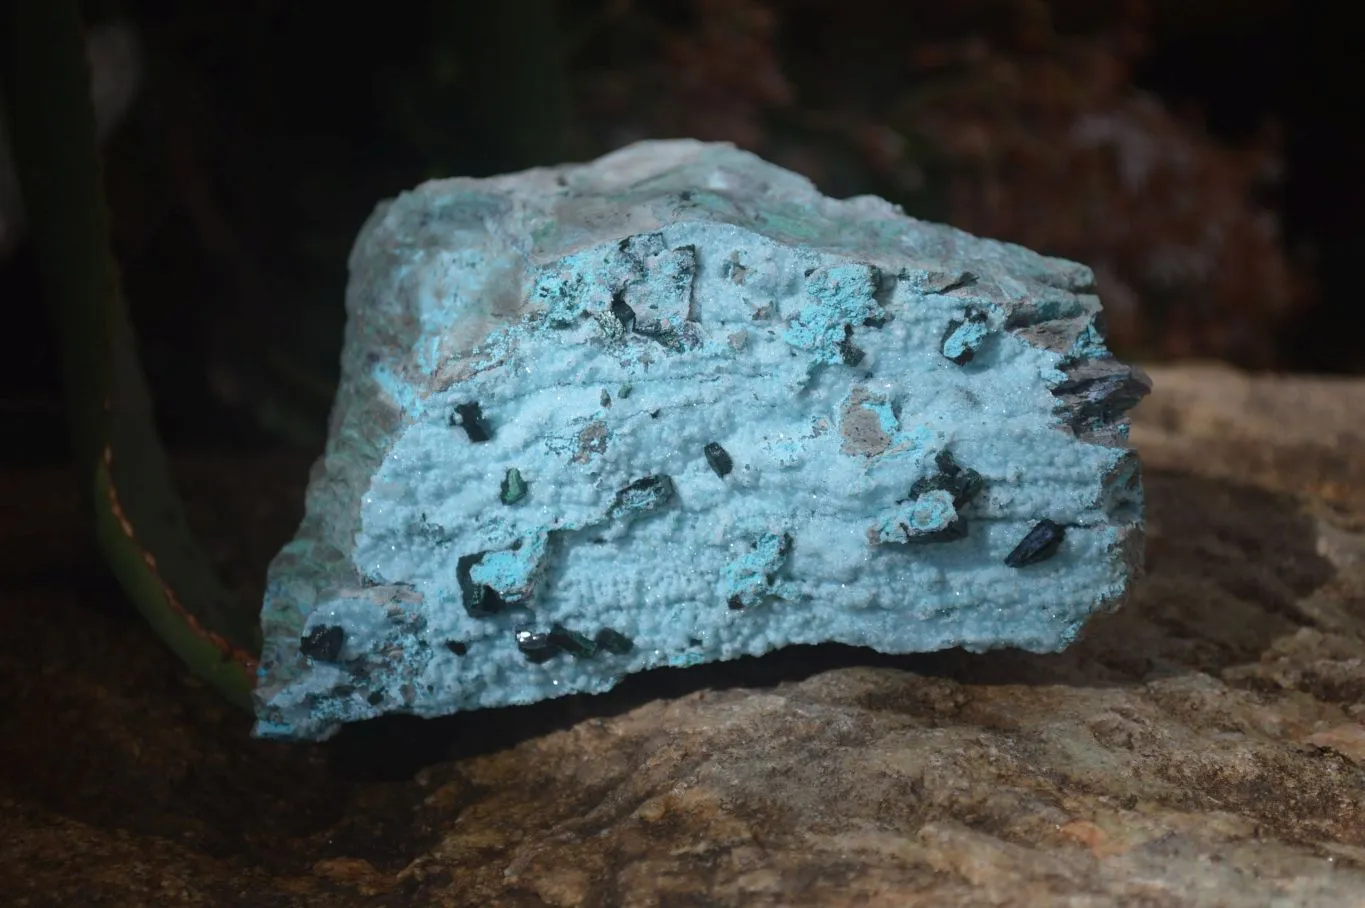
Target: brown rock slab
<point>1203,746</point>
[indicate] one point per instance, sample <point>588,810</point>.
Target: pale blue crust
<point>901,403</point>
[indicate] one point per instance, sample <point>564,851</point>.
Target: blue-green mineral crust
<point>675,406</point>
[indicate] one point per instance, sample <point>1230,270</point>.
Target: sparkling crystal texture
<point>675,406</point>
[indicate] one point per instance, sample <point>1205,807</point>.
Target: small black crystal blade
<point>487,602</point>
<point>323,643</point>
<point>621,309</point>
<point>480,601</point>
<point>457,647</point>
<point>536,647</point>
<point>613,641</point>
<point>1040,544</point>
<point>968,484</point>
<point>963,483</point>
<point>571,642</point>
<point>946,464</point>
<point>1095,400</point>
<point>658,484</point>
<point>718,458</point>
<point>850,353</point>
<point>644,494</point>
<point>470,418</point>
<point>662,333</point>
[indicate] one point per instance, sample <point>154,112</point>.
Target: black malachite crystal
<point>963,483</point>
<point>850,354</point>
<point>540,647</point>
<point>718,458</point>
<point>480,601</point>
<point>571,642</point>
<point>536,647</point>
<point>621,309</point>
<point>643,494</point>
<point>323,643</point>
<point>613,641</point>
<point>470,418</point>
<point>1096,396</point>
<point>1040,544</point>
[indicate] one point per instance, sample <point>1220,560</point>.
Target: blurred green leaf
<point>140,522</point>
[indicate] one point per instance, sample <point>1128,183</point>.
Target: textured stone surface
<point>1203,746</point>
<point>677,401</point>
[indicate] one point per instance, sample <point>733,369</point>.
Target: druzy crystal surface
<point>675,406</point>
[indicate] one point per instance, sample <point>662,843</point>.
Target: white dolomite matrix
<point>675,406</point>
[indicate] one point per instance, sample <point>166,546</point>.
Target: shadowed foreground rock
<point>1204,746</point>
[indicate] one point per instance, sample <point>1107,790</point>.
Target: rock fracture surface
<point>675,406</point>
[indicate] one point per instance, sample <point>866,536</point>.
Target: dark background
<point>1203,156</point>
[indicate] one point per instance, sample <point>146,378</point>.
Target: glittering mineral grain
<point>675,406</point>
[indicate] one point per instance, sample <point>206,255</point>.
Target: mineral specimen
<point>749,416</point>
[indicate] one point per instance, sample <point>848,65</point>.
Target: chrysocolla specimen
<point>675,406</point>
